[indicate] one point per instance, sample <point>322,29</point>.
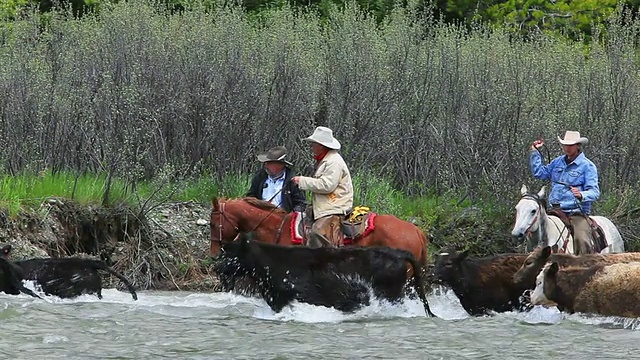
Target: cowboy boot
<point>318,240</point>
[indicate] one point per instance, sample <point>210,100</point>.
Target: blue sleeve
<point>539,171</point>
<point>591,189</point>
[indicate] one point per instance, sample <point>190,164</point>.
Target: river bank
<point>162,248</point>
<point>166,246</point>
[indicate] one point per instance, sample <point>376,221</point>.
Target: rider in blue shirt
<point>574,183</point>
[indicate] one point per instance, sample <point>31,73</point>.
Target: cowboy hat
<point>572,138</point>
<point>275,154</point>
<point>324,136</point>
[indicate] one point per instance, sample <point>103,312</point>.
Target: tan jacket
<point>331,187</point>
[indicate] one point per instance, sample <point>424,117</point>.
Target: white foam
<point>443,302</point>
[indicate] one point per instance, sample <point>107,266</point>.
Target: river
<point>184,325</point>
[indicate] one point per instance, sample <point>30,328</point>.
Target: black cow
<point>66,277</point>
<point>10,280</point>
<point>332,277</point>
<point>481,284</point>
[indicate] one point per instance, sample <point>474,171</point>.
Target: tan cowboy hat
<point>324,136</point>
<point>275,154</point>
<point>572,138</point>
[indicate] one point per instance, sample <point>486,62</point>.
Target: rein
<point>284,218</point>
<point>222,217</point>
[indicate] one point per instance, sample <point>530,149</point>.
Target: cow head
<point>448,266</point>
<point>235,261</point>
<point>526,275</point>
<point>545,285</point>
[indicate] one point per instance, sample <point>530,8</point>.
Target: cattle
<point>10,280</point>
<point>533,264</point>
<point>333,277</point>
<point>607,290</point>
<point>481,284</point>
<point>66,277</point>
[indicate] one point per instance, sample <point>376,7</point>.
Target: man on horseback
<point>330,185</point>
<point>273,181</point>
<point>574,184</point>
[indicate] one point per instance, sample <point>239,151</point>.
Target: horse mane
<point>542,200</point>
<point>264,205</point>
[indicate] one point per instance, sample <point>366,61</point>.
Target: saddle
<point>358,222</point>
<point>599,242</point>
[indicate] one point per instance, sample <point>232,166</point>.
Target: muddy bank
<point>164,248</point>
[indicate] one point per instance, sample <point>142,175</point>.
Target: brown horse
<point>271,224</point>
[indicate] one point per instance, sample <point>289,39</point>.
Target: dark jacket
<point>293,199</point>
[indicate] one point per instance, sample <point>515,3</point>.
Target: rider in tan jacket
<point>331,188</point>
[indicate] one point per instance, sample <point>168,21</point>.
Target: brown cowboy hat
<point>275,154</point>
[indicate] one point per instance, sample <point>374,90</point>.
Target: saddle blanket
<point>296,228</point>
<point>297,224</point>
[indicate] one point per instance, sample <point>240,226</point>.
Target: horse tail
<point>98,264</point>
<point>418,283</point>
<point>423,253</point>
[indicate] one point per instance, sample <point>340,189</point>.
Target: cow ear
<point>554,248</point>
<point>463,255</point>
<point>553,269</point>
<point>546,252</point>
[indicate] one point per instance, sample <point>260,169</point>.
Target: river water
<point>183,325</point>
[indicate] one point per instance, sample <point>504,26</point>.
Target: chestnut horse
<point>271,224</point>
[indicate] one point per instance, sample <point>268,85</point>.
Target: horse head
<point>224,225</point>
<point>529,210</point>
<point>231,217</point>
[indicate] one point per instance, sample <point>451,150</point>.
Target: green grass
<point>448,219</point>
<point>29,189</point>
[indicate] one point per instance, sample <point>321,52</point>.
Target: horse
<point>271,224</point>
<point>542,229</point>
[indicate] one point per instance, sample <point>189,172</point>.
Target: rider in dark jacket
<point>273,182</point>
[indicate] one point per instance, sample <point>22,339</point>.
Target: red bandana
<point>321,156</point>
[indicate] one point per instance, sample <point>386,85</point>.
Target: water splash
<point>442,300</point>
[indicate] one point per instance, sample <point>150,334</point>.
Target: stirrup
<point>319,241</point>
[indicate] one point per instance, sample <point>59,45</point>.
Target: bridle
<point>535,198</point>
<point>221,212</point>
<point>221,222</point>
<point>542,229</point>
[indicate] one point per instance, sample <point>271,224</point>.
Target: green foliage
<point>10,8</point>
<point>574,19</point>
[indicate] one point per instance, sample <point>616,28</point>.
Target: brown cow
<point>481,284</point>
<point>526,275</point>
<point>607,290</point>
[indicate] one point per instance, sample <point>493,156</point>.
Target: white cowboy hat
<point>275,154</point>
<point>572,138</point>
<point>324,136</point>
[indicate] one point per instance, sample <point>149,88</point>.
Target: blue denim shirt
<point>581,173</point>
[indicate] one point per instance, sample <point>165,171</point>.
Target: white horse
<point>533,223</point>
